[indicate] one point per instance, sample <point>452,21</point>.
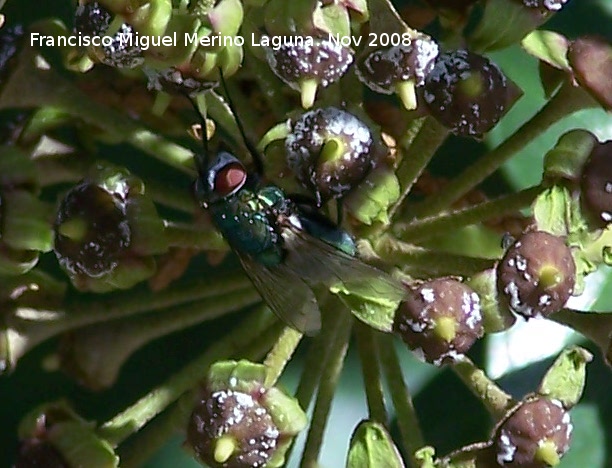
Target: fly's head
<point>223,178</point>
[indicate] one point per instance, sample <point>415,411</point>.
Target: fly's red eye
<point>229,179</point>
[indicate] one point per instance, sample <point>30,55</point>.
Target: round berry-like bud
<point>91,230</point>
<point>535,435</point>
<point>92,19</point>
<point>591,60</point>
<point>386,70</point>
<point>596,183</point>
<point>398,69</point>
<point>239,422</point>
<point>231,428</point>
<point>304,63</point>
<point>331,151</point>
<point>467,92</point>
<point>537,274</point>
<point>381,69</point>
<point>440,320</point>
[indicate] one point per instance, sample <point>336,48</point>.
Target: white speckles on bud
<point>536,434</point>
<point>317,61</point>
<point>331,150</point>
<point>536,275</point>
<point>441,318</point>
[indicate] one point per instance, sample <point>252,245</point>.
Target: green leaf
<point>376,194</point>
<point>565,379</point>
<point>552,211</point>
<point>377,313</point>
<point>372,447</point>
<point>548,46</point>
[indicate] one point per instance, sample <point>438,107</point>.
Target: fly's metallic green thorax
<point>288,248</point>
<point>249,222</point>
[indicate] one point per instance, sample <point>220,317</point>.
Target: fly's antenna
<point>257,159</point>
<point>201,159</point>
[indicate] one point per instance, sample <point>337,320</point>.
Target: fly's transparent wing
<point>286,293</point>
<point>318,262</point>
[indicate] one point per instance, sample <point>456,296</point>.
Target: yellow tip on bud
<point>224,448</point>
<point>406,91</point>
<point>74,229</point>
<point>308,89</point>
<point>446,328</point>
<point>547,453</point>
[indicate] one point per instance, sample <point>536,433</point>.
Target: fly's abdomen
<point>245,224</point>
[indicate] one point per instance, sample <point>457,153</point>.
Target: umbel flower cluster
<point>260,170</point>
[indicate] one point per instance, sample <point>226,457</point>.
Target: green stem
<point>118,340</point>
<point>416,156</point>
<point>280,354</point>
<point>136,416</point>
<point>192,237</point>
<point>368,353</point>
<point>33,326</point>
<point>327,388</point>
<point>569,99</point>
<point>493,397</point>
<point>31,86</point>
<point>406,417</point>
<point>443,223</point>
<point>417,259</point>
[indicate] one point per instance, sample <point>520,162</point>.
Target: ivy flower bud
<point>106,231</point>
<point>304,63</point>
<point>596,183</point>
<point>591,60</point>
<point>440,320</point>
<point>536,434</point>
<point>400,68</point>
<point>537,274</point>
<point>239,422</point>
<point>467,93</point>
<point>331,150</point>
<point>92,19</point>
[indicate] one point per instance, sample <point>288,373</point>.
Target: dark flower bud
<point>331,151</point>
<point>237,422</point>
<point>106,231</point>
<point>537,274</point>
<point>306,63</point>
<point>92,19</point>
<point>467,93</point>
<point>91,230</point>
<point>390,70</point>
<point>440,320</point>
<point>535,435</point>
<point>591,61</point>
<point>596,183</point>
